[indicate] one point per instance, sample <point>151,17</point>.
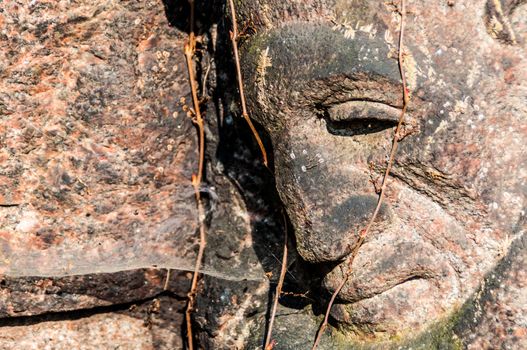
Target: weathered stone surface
<point>96,158</point>
<point>154,324</point>
<point>97,154</point>
<point>96,151</point>
<point>29,296</point>
<point>497,316</point>
<point>457,194</point>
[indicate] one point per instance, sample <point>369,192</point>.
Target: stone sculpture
<point>323,81</point>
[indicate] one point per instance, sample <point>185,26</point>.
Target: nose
<point>330,236</point>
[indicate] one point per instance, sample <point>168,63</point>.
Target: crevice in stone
<point>72,315</point>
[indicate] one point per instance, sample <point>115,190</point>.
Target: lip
<point>394,311</point>
<point>373,275</point>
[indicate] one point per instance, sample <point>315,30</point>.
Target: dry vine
<point>234,40</point>
<point>268,343</point>
<point>197,119</point>
<point>245,114</point>
<point>395,141</point>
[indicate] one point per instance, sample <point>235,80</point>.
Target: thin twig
<point>204,80</point>
<point>245,114</point>
<point>278,292</point>
<point>396,138</point>
<point>167,280</point>
<point>190,48</point>
<point>192,294</point>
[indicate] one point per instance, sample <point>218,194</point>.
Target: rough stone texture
<point>31,296</point>
<point>96,151</point>
<point>96,157</point>
<point>497,317</point>
<point>104,331</point>
<point>97,154</point>
<point>96,160</point>
<point>153,324</point>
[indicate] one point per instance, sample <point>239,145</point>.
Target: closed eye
<point>359,117</point>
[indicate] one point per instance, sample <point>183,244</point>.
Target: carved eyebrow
<point>304,51</point>
<point>338,90</point>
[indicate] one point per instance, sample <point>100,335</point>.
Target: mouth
<point>408,307</point>
<point>374,274</point>
<point>405,289</point>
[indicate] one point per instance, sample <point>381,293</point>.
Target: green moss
<point>297,330</point>
<point>439,336</point>
<point>255,45</point>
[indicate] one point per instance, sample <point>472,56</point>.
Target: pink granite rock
<point>97,152</point>
<point>96,157</point>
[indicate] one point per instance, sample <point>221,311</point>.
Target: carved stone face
<point>324,82</point>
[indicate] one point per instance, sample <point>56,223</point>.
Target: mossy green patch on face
<point>295,329</point>
<point>252,47</point>
<point>438,336</point>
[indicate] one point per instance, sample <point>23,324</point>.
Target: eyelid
<point>363,110</point>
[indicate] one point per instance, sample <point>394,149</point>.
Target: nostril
<point>356,210</point>
<point>339,228</point>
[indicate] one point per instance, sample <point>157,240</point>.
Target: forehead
<point>502,20</point>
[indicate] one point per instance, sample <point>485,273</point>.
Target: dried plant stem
<point>192,294</point>
<point>278,292</point>
<point>245,114</point>
<point>167,280</point>
<point>395,141</point>
<point>190,48</point>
